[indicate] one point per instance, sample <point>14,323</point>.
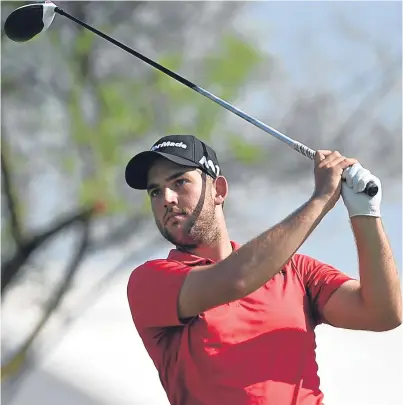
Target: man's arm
<point>256,262</point>
<point>375,302</point>
<point>249,267</point>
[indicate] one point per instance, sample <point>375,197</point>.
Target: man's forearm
<point>259,260</point>
<point>380,287</point>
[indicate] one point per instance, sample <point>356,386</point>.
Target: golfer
<point>234,325</point>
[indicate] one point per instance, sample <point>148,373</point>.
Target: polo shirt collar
<point>190,259</point>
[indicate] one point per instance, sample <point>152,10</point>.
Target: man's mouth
<point>173,216</point>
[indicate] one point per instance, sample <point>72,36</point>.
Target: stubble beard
<point>203,230</point>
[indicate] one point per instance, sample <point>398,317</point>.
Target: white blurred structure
<point>102,361</point>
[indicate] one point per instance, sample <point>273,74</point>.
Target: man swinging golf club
<point>234,325</point>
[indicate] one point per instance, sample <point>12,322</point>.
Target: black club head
<point>26,22</point>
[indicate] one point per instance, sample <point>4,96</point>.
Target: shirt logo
<point>171,144</point>
<point>209,165</point>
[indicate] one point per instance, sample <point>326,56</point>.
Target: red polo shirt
<point>259,350</point>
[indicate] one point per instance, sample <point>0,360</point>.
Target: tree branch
<point>367,104</point>
<point>11,267</point>
<point>119,234</point>
<point>14,365</point>
<point>11,201</point>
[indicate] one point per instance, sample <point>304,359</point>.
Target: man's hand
<point>357,202</point>
<point>329,168</point>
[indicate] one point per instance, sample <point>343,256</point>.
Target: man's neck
<point>216,251</point>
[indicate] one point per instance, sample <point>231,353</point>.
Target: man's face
<point>182,201</point>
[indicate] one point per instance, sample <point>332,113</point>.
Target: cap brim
<point>136,172</point>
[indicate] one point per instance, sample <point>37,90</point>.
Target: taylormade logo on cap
<point>168,143</point>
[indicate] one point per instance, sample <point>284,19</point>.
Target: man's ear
<point>221,190</point>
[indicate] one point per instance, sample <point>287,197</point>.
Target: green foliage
<point>244,151</point>
<point>84,42</point>
<point>122,115</point>
<point>165,84</point>
<point>69,164</point>
<point>233,65</point>
<point>131,109</point>
<point>224,74</point>
<point>128,109</point>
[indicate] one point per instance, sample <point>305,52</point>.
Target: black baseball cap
<point>185,150</point>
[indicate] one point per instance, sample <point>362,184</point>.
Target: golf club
<point>27,21</point>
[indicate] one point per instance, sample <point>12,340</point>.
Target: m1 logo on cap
<point>171,144</point>
<point>208,164</point>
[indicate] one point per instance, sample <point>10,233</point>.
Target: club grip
<point>371,189</point>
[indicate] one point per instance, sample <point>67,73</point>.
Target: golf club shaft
<point>371,188</point>
<point>301,148</point>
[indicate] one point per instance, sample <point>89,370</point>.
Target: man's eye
<point>154,193</point>
<point>180,182</point>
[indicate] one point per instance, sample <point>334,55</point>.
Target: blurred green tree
<point>76,109</point>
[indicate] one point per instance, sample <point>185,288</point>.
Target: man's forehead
<point>163,168</point>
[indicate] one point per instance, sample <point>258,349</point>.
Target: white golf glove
<point>357,202</point>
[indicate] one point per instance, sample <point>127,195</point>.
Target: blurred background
<point>75,108</point>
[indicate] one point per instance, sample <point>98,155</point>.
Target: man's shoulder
<point>302,265</point>
<point>152,268</point>
<point>157,264</point>
<point>301,260</point>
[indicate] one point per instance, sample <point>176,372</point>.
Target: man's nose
<point>170,197</point>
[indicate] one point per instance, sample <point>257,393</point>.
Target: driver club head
<point>25,22</point>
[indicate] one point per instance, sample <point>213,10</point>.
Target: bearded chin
<point>186,241</point>
<point>193,235</point>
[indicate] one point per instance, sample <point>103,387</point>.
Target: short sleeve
<point>321,280</point>
<point>153,291</point>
